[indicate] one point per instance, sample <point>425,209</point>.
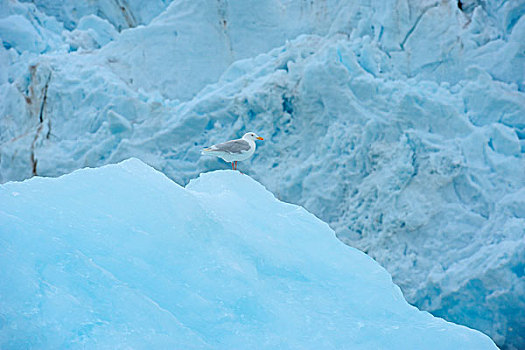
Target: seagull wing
<point>233,146</point>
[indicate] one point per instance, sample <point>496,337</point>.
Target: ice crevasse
<point>121,256</point>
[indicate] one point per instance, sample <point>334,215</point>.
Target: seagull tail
<point>206,150</point>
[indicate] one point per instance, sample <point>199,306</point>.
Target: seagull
<point>234,150</point>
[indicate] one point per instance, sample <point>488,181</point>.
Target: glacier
<point>401,124</point>
<point>122,257</point>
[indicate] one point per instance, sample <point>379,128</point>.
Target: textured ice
<point>121,14</point>
<point>400,123</point>
<point>24,29</point>
<point>91,33</point>
<point>121,256</point>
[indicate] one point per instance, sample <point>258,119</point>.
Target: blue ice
<point>123,257</point>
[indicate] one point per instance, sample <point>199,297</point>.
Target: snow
<point>121,256</point>
<point>401,124</point>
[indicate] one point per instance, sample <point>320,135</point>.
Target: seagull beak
<point>260,138</point>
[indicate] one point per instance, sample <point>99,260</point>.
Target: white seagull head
<point>251,136</point>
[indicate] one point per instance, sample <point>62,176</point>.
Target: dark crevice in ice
<point>126,13</point>
<point>411,30</point>
<point>44,99</point>
<point>34,161</point>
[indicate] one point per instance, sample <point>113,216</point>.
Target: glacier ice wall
<point>400,124</point>
<point>122,14</point>
<point>121,256</point>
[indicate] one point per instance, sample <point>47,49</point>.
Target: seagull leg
<point>236,168</point>
<point>232,166</point>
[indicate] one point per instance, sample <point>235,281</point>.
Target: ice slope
<point>400,123</point>
<point>121,256</point>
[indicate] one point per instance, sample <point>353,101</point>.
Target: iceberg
<point>121,256</point>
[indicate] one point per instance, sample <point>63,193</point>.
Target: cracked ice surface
<point>400,124</point>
